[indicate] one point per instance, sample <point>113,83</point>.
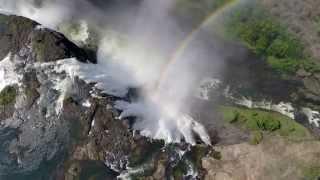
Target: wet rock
<point>50,46</point>
<point>31,107</point>
<point>25,37</point>
<point>91,170</point>
<point>312,84</point>
<point>317,75</point>
<point>14,34</point>
<point>303,73</point>
<point>31,85</point>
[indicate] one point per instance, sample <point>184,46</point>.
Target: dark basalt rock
<point>14,33</point>
<point>50,46</point>
<point>22,34</point>
<point>41,137</point>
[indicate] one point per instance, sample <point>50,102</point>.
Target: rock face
<point>29,108</point>
<point>19,35</point>
<point>38,111</point>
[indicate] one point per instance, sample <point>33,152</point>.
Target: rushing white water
<point>8,76</point>
<point>206,87</point>
<point>282,108</point>
<point>162,120</point>
<point>313,116</point>
<point>159,116</point>
<point>161,112</point>
<point>62,84</point>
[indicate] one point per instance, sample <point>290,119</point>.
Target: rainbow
<point>192,35</point>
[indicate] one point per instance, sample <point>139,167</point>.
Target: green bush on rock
<point>8,96</point>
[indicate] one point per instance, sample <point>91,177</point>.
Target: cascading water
<point>161,112</point>
<point>141,61</point>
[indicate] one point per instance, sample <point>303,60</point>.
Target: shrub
<point>8,95</point>
<point>269,124</point>
<point>286,65</point>
<point>285,47</point>
<point>256,137</point>
<point>216,155</point>
<point>263,34</point>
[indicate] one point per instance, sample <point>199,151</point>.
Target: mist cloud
<point>137,43</point>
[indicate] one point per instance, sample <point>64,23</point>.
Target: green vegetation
<point>194,11</point>
<point>8,96</point>
<point>180,169</point>
<point>216,154</point>
<point>260,121</point>
<point>256,137</point>
<point>312,173</point>
<point>196,154</point>
<point>263,34</point>
<point>283,65</point>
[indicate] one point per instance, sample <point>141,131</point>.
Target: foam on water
<point>313,116</point>
<point>8,76</point>
<point>157,116</point>
<point>162,119</point>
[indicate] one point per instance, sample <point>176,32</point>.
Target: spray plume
<point>141,60</point>
<point>178,53</point>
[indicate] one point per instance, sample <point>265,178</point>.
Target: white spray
<point>137,61</point>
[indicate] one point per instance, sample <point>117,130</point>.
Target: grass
<point>262,33</point>
<point>8,96</point>
<point>260,121</point>
<point>311,173</point>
